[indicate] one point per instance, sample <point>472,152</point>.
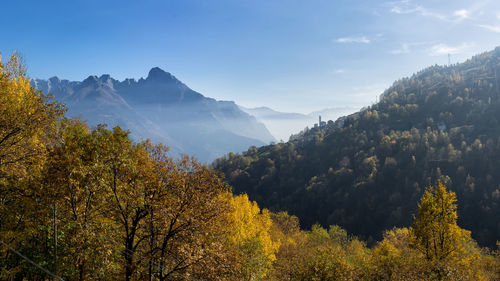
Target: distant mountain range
<point>163,109</point>
<point>283,124</point>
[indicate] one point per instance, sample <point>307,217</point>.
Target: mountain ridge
<point>162,108</point>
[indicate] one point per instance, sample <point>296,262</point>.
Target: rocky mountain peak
<point>159,75</point>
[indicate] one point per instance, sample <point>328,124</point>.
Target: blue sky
<point>291,55</point>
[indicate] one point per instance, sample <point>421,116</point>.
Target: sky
<point>290,55</point>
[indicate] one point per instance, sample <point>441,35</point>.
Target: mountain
<point>162,108</point>
<point>283,124</point>
<point>264,112</point>
<point>366,171</point>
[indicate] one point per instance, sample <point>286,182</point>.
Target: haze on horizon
<point>295,56</point>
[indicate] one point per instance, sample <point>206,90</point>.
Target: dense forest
<point>367,171</point>
<point>80,203</point>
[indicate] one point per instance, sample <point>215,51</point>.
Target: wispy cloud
<point>443,49</point>
<point>405,49</point>
<point>340,71</point>
<point>408,7</point>
<point>354,39</point>
<point>494,28</point>
<point>461,14</point>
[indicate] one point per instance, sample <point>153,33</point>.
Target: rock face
<point>163,109</point>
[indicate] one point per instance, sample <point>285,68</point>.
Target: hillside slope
<point>367,171</point>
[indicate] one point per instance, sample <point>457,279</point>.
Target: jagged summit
<point>92,79</point>
<point>159,75</point>
<point>105,77</point>
<point>54,79</point>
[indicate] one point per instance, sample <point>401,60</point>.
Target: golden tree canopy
<point>435,232</point>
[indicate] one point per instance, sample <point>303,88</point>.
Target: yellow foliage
<point>449,250</point>
<point>435,232</point>
<point>393,259</point>
<point>250,232</point>
<point>27,120</point>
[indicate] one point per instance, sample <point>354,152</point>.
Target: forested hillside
<point>366,171</point>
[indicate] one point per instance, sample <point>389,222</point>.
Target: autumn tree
<point>330,254</point>
<point>394,259</point>
<point>185,222</point>
<point>435,232</point>
<point>27,120</point>
<point>27,117</point>
<point>286,230</point>
<point>449,250</point>
<point>73,183</point>
<point>126,175</point>
<point>251,234</point>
